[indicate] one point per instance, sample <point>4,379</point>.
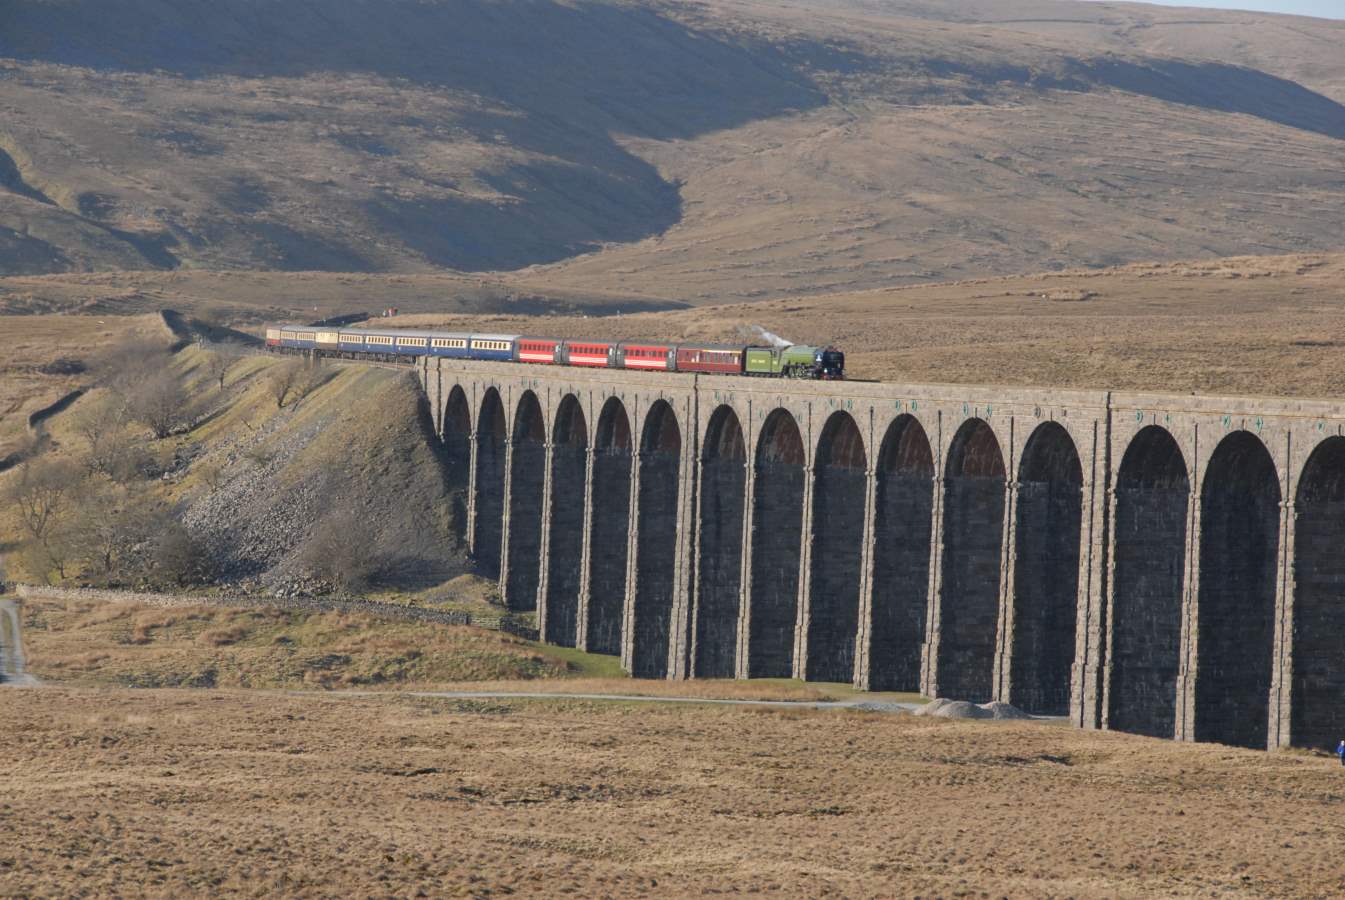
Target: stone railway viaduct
<point>1157,564</point>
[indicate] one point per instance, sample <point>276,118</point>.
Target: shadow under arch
<point>840,486</point>
<point>569,492</point>
<point>1317,715</point>
<point>777,533</point>
<point>457,437</point>
<point>1048,520</point>
<point>902,528</point>
<point>490,470</point>
<point>973,526</point>
<point>527,476</point>
<point>1239,548</point>
<point>719,572</point>
<point>608,532</point>
<point>656,541</point>
<point>1149,575</point>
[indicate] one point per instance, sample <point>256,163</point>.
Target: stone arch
<point>840,490</point>
<point>527,476</point>
<point>610,523</point>
<point>457,434</point>
<point>656,540</point>
<point>719,573</point>
<point>777,534</point>
<point>569,490</point>
<point>457,437</point>
<point>902,525</point>
<point>1317,716</point>
<point>1152,494</point>
<point>1239,549</point>
<point>973,526</point>
<point>1048,519</point>
<point>491,456</point>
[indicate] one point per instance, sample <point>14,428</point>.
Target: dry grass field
<point>1255,325</point>
<point>255,297</point>
<point>266,648</point>
<point>89,642</point>
<point>182,792</point>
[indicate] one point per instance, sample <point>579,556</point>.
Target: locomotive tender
<point>404,345</point>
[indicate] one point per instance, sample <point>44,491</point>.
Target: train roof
<point>424,333</point>
<point>633,342</point>
<point>707,345</point>
<point>404,332</point>
<point>641,342</point>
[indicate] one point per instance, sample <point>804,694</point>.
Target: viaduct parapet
<point>1164,565</point>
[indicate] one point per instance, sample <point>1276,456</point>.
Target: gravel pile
<point>942,708</point>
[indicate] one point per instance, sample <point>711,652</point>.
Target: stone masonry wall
<point>1162,588</point>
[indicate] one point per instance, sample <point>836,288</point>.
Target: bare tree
<point>177,558</point>
<point>314,376</point>
<point>124,365</point>
<point>107,524</point>
<point>344,548</point>
<point>158,402</point>
<point>211,474</point>
<point>41,493</point>
<point>42,496</point>
<point>126,458</point>
<point>280,381</point>
<point>36,561</point>
<point>99,421</point>
<point>295,378</point>
<point>220,359</point>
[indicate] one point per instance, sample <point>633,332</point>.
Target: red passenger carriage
<point>589,353</point>
<point>537,350</point>
<point>723,359</point>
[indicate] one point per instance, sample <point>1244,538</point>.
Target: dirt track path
<point>855,703</point>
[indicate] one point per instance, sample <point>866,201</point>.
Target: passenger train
<point>398,345</point>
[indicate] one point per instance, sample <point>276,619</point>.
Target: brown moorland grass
<point>734,150</point>
<point>32,344</point>
<point>192,792</point>
<point>260,296</point>
<point>266,647</point>
<point>97,642</point>
<point>1268,325</point>
<point>1248,325</point>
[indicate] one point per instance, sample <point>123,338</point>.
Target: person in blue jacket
<point>1340,751</point>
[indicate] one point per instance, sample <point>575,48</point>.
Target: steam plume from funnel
<point>772,337</point>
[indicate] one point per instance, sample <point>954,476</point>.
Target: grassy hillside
<point>256,477</point>
<point>198,646</point>
<point>82,640</point>
<point>251,298</point>
<point>662,149</point>
<point>47,357</point>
